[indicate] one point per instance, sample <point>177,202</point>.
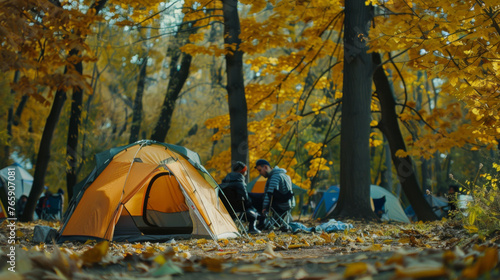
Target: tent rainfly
<point>146,191</point>
<point>20,181</point>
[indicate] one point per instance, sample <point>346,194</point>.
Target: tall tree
<point>354,197</point>
<point>179,71</point>
<point>60,97</point>
<point>389,126</point>
<point>73,129</point>
<point>137,109</point>
<point>235,84</point>
<point>10,122</point>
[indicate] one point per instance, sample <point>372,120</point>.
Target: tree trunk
<point>42,160</point>
<point>73,129</point>
<point>20,109</point>
<point>390,128</point>
<point>235,84</point>
<point>178,77</point>
<point>424,166</point>
<point>426,179</point>
<point>137,114</point>
<point>10,122</point>
<point>354,197</point>
<point>438,173</point>
<point>386,181</point>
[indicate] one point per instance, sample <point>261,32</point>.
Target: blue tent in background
<point>327,202</point>
<point>392,207</point>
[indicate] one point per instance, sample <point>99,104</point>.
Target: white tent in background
<point>393,208</point>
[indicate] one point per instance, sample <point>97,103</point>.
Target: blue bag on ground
<point>298,227</point>
<point>333,225</point>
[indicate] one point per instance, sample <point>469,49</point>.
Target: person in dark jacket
<point>235,190</point>
<point>278,192</point>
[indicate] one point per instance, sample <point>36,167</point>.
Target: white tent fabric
<point>392,206</point>
<point>22,179</point>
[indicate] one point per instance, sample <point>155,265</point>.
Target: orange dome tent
<point>147,191</point>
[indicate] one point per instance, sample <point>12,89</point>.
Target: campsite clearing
<point>443,250</point>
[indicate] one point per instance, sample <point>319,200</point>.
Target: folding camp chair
<point>52,208</point>
<point>278,218</point>
<point>238,213</point>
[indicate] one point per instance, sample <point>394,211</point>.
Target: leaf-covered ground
<point>439,250</point>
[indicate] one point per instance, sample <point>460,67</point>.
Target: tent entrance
<point>165,210</point>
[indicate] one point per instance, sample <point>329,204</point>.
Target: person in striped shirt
<point>278,192</point>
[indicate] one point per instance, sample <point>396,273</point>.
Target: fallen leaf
<point>226,253</point>
<point>138,246</point>
<point>294,274</point>
<point>374,247</point>
<point>358,269</point>
<point>326,237</point>
<point>361,257</point>
<point>271,235</point>
<point>168,268</point>
<point>141,267</point>
<point>483,264</point>
<point>212,264</point>
<point>270,252</point>
<point>421,271</point>
<point>160,259</point>
<point>201,241</point>
<point>448,257</point>
<point>96,253</point>
<point>395,259</point>
<point>249,268</point>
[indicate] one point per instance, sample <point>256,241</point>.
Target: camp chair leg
<point>279,221</point>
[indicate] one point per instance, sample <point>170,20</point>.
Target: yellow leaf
<point>226,253</point>
<point>375,247</point>
<point>201,241</point>
<point>160,259</point>
<point>482,265</point>
<point>404,240</point>
<point>401,153</point>
<point>421,271</point>
<point>138,246</point>
<point>397,259</point>
<point>326,236</point>
<point>249,268</point>
<point>271,235</point>
<point>356,269</point>
<point>212,264</point>
<point>96,253</point>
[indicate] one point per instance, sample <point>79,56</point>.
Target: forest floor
<point>437,250</point>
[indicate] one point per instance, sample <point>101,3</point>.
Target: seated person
<point>42,202</point>
<point>235,190</point>
<point>278,193</point>
<point>21,204</point>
